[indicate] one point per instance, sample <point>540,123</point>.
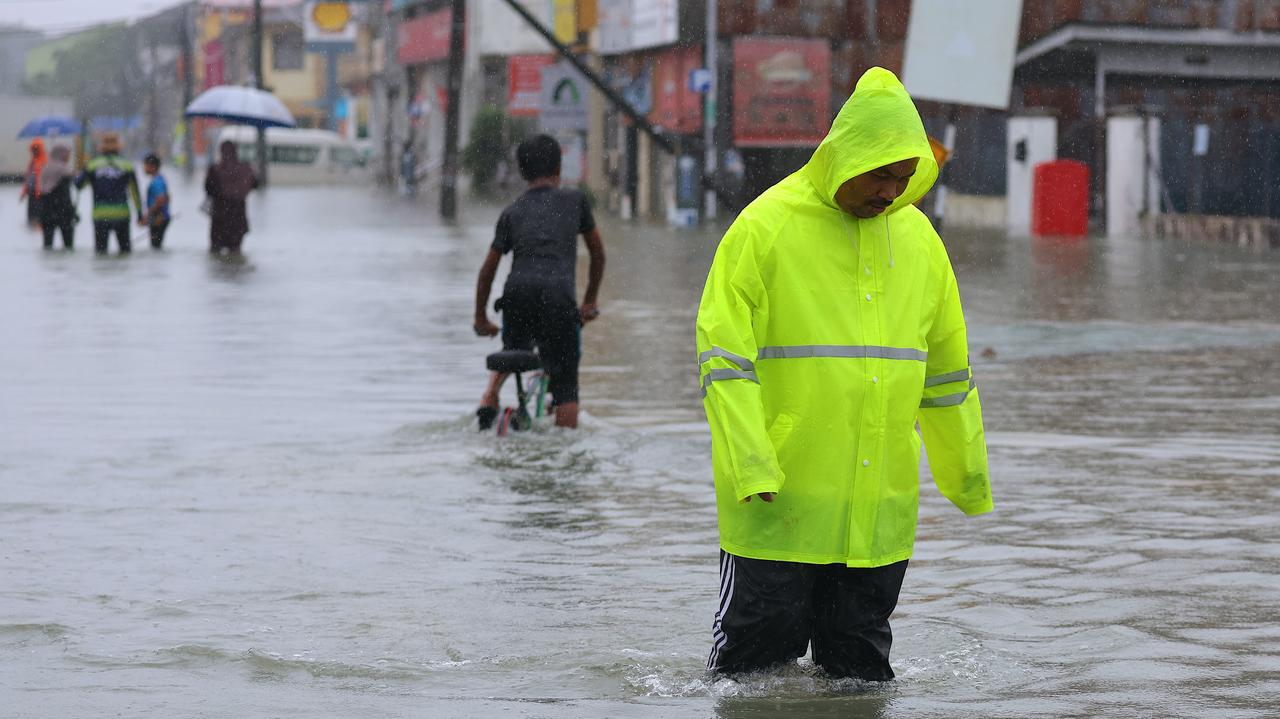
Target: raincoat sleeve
<point>950,412</point>
<point>733,304</point>
<point>133,192</point>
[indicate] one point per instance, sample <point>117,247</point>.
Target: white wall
<point>1041,137</point>
<point>503,32</point>
<point>1133,181</point>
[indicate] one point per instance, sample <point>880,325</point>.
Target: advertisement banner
<point>329,25</point>
<point>962,53</point>
<point>215,64</point>
<point>627,25</point>
<point>424,38</point>
<point>573,156</point>
<point>654,22</point>
<point>502,32</point>
<point>676,106</point>
<point>614,32</point>
<point>565,26</point>
<point>563,99</point>
<point>781,91</point>
<point>524,83</point>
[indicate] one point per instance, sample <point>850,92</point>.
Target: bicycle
<point>529,390</point>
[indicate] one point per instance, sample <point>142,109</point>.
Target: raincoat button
<point>875,380</point>
<point>868,298</point>
<point>866,463</point>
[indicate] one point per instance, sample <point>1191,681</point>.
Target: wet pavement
<point>255,489</point>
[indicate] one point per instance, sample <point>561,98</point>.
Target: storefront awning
<point>1083,49</point>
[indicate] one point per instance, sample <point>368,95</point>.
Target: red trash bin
<point>1060,198</point>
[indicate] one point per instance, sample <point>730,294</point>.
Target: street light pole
<point>188,57</point>
<point>709,114</point>
<point>449,171</point>
<point>258,82</point>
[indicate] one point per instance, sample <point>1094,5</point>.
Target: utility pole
<point>188,56</point>
<point>709,113</point>
<point>258,82</point>
<point>449,173</point>
<point>153,109</point>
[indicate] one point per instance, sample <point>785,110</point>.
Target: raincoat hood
<point>878,125</point>
<point>818,358</point>
<point>37,148</point>
<point>57,169</point>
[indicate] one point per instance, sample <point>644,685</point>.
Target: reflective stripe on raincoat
<point>822,340</point>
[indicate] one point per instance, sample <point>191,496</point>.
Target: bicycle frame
<point>533,388</point>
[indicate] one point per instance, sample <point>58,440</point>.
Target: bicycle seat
<point>513,361</point>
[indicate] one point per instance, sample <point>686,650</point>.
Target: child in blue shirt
<point>157,215</point>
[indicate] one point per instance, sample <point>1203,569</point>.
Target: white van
<point>299,157</point>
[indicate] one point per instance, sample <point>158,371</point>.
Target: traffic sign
<point>700,80</point>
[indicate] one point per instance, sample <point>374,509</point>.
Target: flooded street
<point>233,490</point>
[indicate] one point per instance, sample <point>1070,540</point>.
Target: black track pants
<point>68,229</point>
<point>102,230</point>
<point>157,233</point>
<point>771,611</point>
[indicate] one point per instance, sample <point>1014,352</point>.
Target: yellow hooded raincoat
<point>822,340</point>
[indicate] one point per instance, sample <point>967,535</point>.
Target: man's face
<point>871,193</point>
<point>151,168</point>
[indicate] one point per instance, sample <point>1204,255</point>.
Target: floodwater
<point>233,490</point>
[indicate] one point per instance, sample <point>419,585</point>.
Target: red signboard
<point>524,83</point>
<point>781,91</point>
<point>676,107</point>
<point>424,38</point>
<point>215,64</point>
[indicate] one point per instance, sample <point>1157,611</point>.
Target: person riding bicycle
<point>538,303</point>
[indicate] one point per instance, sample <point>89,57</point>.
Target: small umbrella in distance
<point>49,126</point>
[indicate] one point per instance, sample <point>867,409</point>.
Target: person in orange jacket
<point>31,182</point>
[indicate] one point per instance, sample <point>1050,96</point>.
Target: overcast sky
<point>63,15</point>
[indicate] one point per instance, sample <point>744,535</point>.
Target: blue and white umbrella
<point>50,126</point>
<point>242,106</point>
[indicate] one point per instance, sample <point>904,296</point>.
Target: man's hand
<point>142,220</point>
<point>484,328</point>
<point>766,497</point>
<point>588,311</point>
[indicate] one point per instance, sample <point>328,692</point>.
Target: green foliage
<point>492,136</point>
<point>98,68</point>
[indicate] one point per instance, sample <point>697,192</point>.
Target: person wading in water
<point>228,183</point>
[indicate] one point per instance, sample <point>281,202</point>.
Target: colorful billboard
<point>676,106</point>
<point>524,83</point>
<point>781,91</point>
<point>563,99</point>
<point>329,24</point>
<point>215,64</point>
<point>424,38</point>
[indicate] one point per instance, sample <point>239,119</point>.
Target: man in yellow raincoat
<point>829,326</point>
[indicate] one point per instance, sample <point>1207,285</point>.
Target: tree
<point>492,135</point>
<point>99,69</point>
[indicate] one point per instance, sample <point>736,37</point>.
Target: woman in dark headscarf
<point>57,211</point>
<point>228,184</point>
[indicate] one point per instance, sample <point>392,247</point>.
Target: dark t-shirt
<point>541,231</point>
